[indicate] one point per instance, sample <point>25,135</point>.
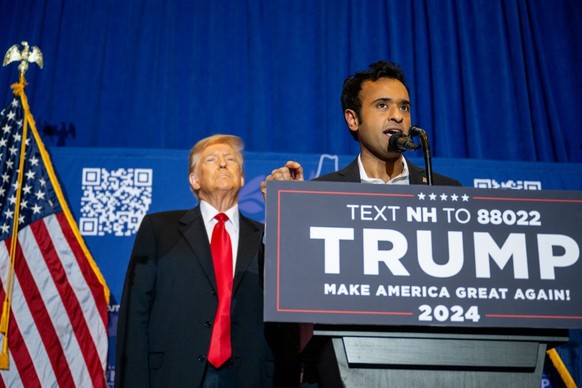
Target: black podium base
<point>438,359</point>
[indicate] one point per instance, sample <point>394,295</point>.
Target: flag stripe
<point>27,375</point>
<point>58,320</point>
<point>42,319</point>
<point>89,276</point>
<point>22,367</point>
<point>69,300</point>
<point>59,230</point>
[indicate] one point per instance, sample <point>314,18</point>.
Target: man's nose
<point>395,114</point>
<point>221,161</point>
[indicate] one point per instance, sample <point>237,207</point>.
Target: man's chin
<point>388,155</point>
<point>228,186</point>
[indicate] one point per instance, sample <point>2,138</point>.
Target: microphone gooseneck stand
<point>421,133</point>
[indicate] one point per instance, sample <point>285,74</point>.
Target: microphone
<point>399,142</point>
<point>417,131</point>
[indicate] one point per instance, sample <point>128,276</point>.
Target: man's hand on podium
<point>291,171</point>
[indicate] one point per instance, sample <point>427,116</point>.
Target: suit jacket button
<point>212,292</point>
<point>207,324</point>
<point>201,358</point>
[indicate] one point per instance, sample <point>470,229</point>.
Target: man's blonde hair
<point>235,142</point>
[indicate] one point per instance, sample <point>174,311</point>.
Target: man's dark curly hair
<point>353,85</point>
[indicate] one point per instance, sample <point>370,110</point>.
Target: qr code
<point>114,202</point>
<point>484,183</point>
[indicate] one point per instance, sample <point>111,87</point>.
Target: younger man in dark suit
<point>376,106</point>
<point>181,322</point>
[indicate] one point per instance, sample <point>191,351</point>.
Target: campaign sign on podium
<point>349,253</point>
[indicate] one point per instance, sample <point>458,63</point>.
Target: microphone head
<point>393,142</point>
<point>399,142</point>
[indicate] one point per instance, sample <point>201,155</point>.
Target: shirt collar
<point>208,212</point>
<point>401,179</point>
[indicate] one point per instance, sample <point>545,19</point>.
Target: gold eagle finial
<point>26,56</point>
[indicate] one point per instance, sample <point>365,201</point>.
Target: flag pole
<point>18,89</point>
<point>561,368</point>
<point>25,57</point>
<point>55,298</point>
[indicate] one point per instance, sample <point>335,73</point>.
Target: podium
<point>414,286</point>
<point>390,357</point>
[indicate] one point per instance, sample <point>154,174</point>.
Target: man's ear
<point>242,181</point>
<point>351,119</point>
<point>194,183</point>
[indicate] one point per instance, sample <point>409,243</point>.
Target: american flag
<point>57,321</point>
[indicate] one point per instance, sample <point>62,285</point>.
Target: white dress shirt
<point>232,225</point>
<point>401,179</point>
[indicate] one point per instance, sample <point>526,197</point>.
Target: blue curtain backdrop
<point>490,79</point>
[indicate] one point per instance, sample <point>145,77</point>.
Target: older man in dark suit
<point>186,318</point>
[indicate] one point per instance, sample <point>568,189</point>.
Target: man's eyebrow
<point>388,99</point>
<point>219,153</point>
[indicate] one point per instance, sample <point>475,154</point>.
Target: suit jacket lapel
<point>416,174</point>
<point>351,172</point>
<point>194,232</point>
<point>248,241</point>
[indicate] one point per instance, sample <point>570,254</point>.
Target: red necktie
<point>221,248</point>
